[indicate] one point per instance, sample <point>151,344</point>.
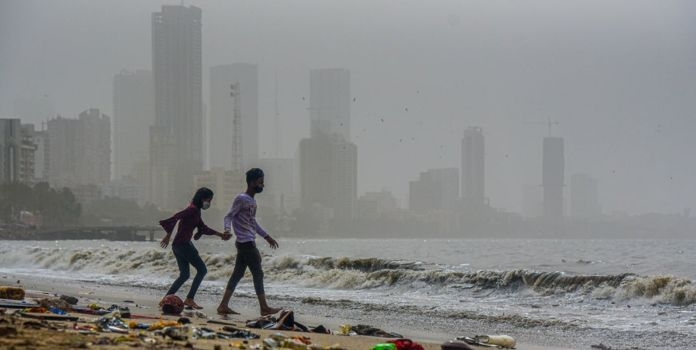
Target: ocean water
<point>615,288</point>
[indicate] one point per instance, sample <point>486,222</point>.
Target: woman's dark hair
<point>253,175</point>
<point>201,194</point>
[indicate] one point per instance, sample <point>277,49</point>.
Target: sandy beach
<point>143,301</point>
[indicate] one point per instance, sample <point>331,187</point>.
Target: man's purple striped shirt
<point>242,218</point>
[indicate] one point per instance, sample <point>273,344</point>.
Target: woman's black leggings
<point>187,254</point>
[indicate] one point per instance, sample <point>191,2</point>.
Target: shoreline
<point>330,285</point>
<point>145,302</point>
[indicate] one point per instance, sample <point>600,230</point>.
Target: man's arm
<point>258,228</point>
<point>261,232</point>
<point>234,209</point>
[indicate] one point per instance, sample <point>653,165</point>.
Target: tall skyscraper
<point>134,114</point>
<point>95,165</point>
<point>176,138</point>
<point>473,166</point>
<point>16,151</point>
<point>328,160</point>
<point>330,102</point>
<point>436,189</point>
<point>28,155</point>
<point>40,138</point>
<point>64,151</point>
<point>221,139</point>
<point>584,197</point>
<point>80,150</point>
<point>10,143</point>
<point>553,178</point>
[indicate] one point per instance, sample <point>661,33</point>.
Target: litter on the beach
<point>500,341</point>
<point>114,325</point>
<point>14,293</point>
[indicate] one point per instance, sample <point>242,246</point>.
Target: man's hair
<point>253,175</point>
<point>201,194</point>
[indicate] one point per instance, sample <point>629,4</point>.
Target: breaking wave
<point>134,264</point>
<point>346,273</point>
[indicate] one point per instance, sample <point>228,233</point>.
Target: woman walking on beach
<point>184,251</point>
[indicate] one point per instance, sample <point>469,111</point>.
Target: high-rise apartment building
<point>330,102</point>
<point>17,150</point>
<point>64,151</point>
<point>553,178</point>
<point>79,150</point>
<point>41,156</point>
<point>176,138</point>
<point>473,166</point>
<point>328,160</point>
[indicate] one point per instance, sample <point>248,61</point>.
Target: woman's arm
<point>203,229</point>
<point>169,224</point>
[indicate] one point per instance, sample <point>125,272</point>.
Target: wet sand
<point>61,335</point>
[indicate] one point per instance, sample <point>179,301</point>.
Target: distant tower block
<point>237,128</point>
<point>176,139</point>
<point>330,102</point>
<point>473,166</point>
<point>552,178</point>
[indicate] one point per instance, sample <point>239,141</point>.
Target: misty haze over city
<point>615,80</point>
<point>446,171</point>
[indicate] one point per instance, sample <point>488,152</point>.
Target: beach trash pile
<point>116,324</point>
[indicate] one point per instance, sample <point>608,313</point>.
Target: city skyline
<point>519,168</point>
<point>417,107</point>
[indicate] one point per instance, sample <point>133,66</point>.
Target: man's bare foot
<point>192,304</point>
<point>269,311</point>
<point>224,310</point>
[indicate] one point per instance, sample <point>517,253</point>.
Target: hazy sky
<point>619,77</point>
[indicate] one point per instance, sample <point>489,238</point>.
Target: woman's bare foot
<point>192,304</point>
<point>269,311</point>
<point>225,310</point>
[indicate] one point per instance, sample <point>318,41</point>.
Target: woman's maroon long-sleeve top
<point>188,219</point>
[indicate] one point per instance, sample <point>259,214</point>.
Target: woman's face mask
<point>206,205</point>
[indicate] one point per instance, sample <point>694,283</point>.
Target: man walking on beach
<point>242,218</point>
